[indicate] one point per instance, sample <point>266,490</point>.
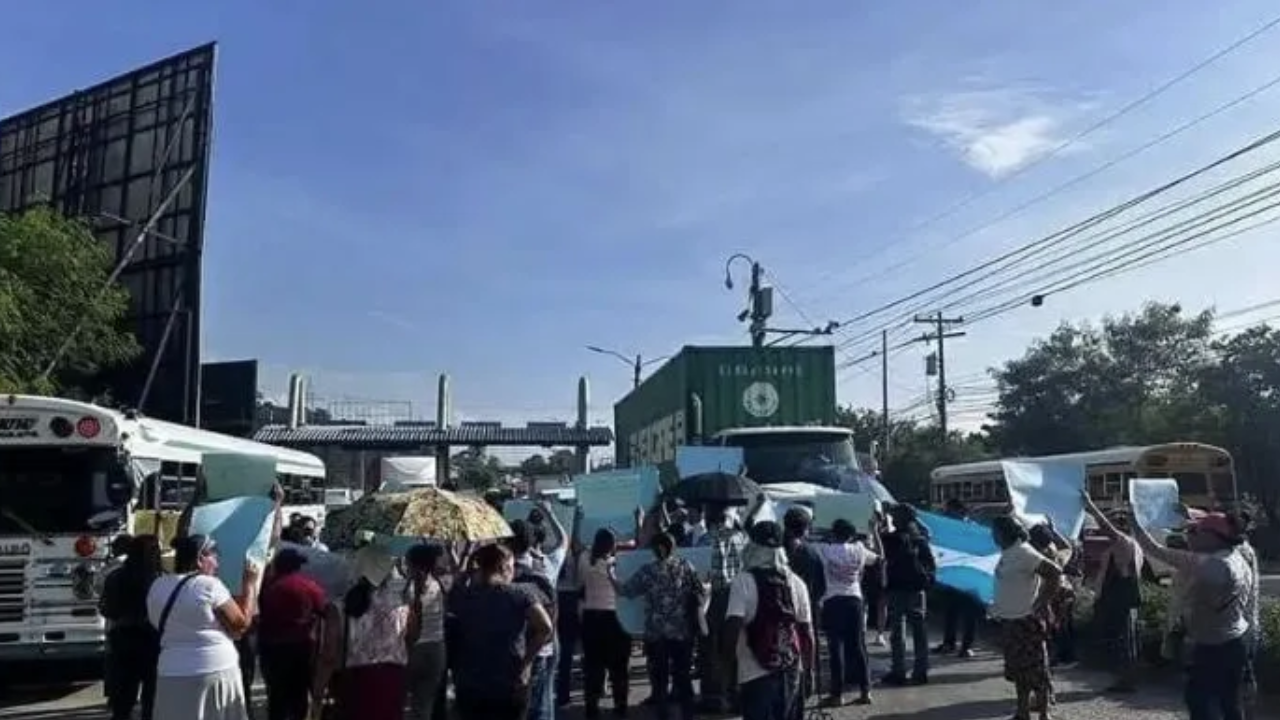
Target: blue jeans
<point>907,612</point>
<point>775,696</point>
<point>542,695</point>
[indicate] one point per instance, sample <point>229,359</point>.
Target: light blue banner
<point>631,610</point>
<point>698,459</point>
<point>242,529</point>
<point>857,508</point>
<point>609,500</point>
<point>231,475</point>
<point>1050,490</point>
<point>519,509</point>
<point>965,553</point>
<point>1156,503</point>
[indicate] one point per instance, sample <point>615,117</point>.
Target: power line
<point>1070,231</point>
<point>1066,144</point>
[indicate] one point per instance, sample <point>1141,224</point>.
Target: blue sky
<point>404,188</point>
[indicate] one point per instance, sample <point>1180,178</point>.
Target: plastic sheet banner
<point>230,475</point>
<point>1047,490</point>
<point>631,610</point>
<point>609,500</point>
<point>857,508</point>
<point>965,553</point>
<point>698,459</point>
<point>242,529</point>
<point>1156,503</point>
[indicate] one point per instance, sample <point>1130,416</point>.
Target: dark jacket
<point>909,561</point>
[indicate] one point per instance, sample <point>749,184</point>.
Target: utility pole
<point>635,371</point>
<point>940,335</point>
<point>759,307</point>
<point>884,396</point>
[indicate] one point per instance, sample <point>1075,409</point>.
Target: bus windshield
<point>817,457</point>
<point>48,490</point>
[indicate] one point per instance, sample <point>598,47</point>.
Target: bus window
<point>1223,486</point>
<point>1097,487</point>
<point>1192,483</point>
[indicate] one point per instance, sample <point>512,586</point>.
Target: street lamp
<point>728,267</point>
<point>637,363</point>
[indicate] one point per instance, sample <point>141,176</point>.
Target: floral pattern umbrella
<point>427,513</point>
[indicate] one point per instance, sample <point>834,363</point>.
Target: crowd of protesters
<point>497,630</point>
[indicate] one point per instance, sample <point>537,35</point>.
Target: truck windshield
<point>820,458</point>
<point>48,490</point>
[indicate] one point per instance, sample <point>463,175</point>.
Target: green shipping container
<point>703,390</point>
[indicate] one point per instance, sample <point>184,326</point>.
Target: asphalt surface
<point>959,690</point>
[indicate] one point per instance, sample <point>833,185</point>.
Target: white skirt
<point>215,696</point>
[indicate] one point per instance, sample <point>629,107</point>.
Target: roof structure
<point>412,435</point>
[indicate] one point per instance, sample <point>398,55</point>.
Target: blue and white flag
<point>965,553</point>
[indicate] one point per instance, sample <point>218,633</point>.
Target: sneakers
<point>944,649</point>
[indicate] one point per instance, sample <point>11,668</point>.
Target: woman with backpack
<point>769,615</point>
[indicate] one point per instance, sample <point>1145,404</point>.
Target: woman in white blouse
<point>1026,582</point>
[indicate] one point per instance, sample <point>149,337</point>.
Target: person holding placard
<point>844,559</point>
<point>198,620</point>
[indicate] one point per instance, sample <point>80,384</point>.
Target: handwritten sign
<point>698,459</point>
<point>1156,503</point>
<point>631,611</point>
<point>241,527</point>
<point>609,500</point>
<point>229,475</point>
<point>857,508</point>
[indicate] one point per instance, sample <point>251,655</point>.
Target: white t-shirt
<point>1016,582</point>
<point>742,604</point>
<point>842,564</point>
<point>194,642</point>
<point>598,592</point>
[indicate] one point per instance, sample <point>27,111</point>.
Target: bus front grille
<point>13,582</point>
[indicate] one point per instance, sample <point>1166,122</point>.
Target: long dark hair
<point>1007,531</point>
<point>603,544</point>
<point>142,564</point>
<point>358,599</point>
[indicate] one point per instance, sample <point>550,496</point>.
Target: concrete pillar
<point>582,453</point>
<point>297,401</point>
<point>444,411</point>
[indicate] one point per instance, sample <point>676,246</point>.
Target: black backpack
<point>773,633</point>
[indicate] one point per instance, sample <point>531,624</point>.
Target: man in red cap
<point>1215,609</point>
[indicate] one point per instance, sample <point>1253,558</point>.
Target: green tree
<point>1131,381</point>
<point>914,450</point>
<point>477,471</point>
<point>1241,398</point>
<point>53,279</point>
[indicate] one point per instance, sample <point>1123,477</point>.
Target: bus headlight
<point>82,585</point>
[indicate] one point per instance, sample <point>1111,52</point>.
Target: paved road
<point>959,690</point>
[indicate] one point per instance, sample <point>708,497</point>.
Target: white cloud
<point>996,132</point>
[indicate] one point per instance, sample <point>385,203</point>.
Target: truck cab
<point>818,455</point>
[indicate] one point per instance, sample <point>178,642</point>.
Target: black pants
<point>246,648</point>
<point>490,704</point>
<point>671,665</point>
<point>1064,638</point>
<point>846,644</point>
<point>567,633</point>
<point>718,673</point>
<point>1215,680</point>
<point>606,650</point>
<point>286,669</point>
<point>959,618</point>
<point>132,671</point>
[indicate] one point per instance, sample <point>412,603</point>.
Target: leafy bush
<point>1155,604</point>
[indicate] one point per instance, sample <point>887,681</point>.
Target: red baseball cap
<point>1217,523</point>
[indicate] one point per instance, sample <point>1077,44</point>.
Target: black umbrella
<point>717,488</point>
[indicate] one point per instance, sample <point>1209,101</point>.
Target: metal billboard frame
<point>130,155</point>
